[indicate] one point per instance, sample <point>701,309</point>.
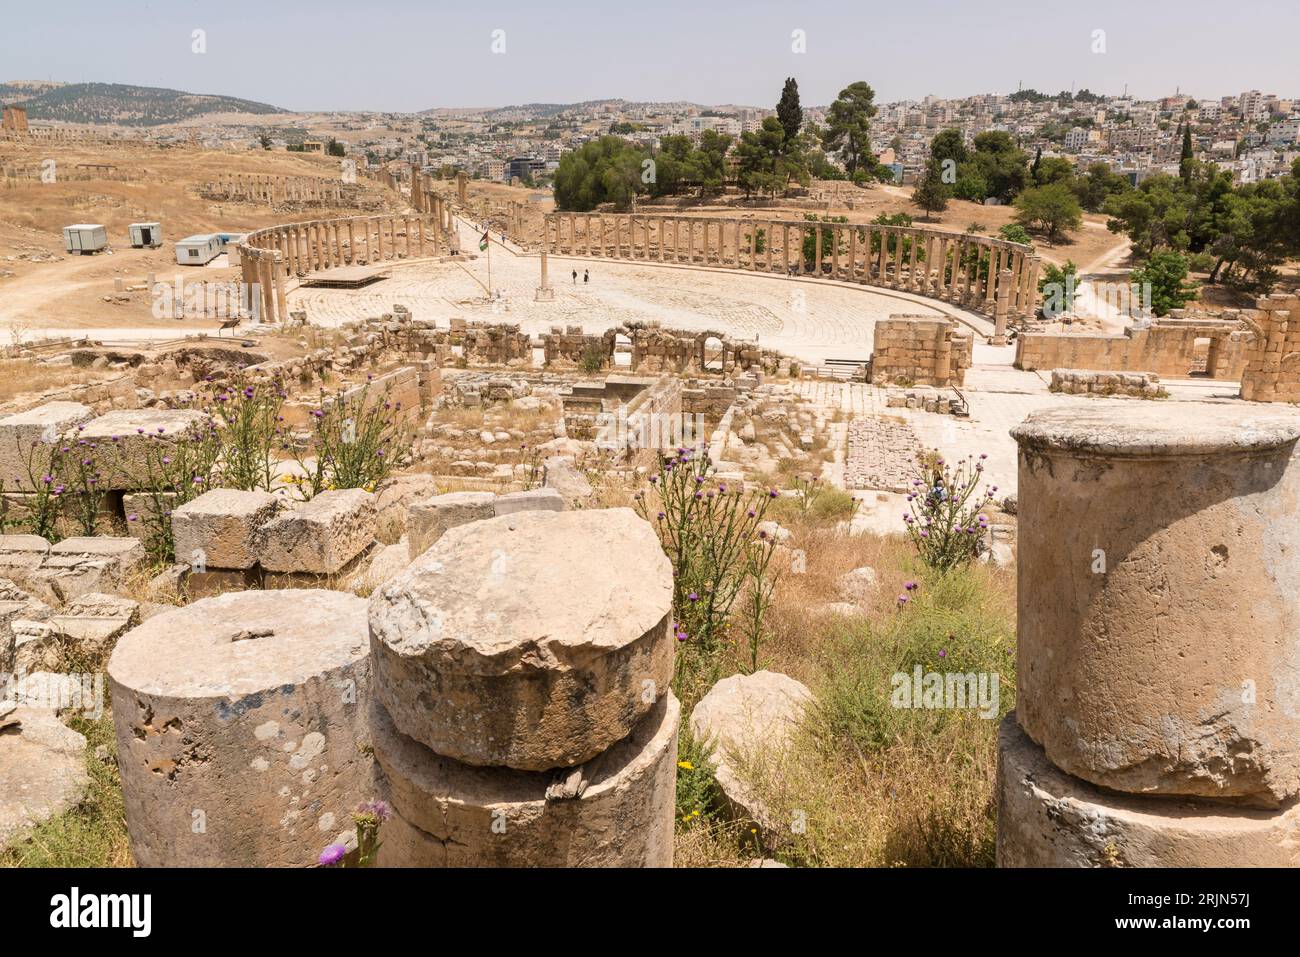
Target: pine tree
<point>1185,159</point>
<point>788,110</point>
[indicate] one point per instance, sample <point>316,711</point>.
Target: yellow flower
<point>686,765</point>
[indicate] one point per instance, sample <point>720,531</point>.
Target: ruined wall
<point>1272,372</point>
<point>919,350</point>
<point>1167,347</point>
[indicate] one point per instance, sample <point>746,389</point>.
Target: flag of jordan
<point>483,243</point>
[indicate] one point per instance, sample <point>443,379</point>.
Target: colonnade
<point>970,271</point>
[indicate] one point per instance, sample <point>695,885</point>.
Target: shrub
<point>708,531</point>
<point>943,518</point>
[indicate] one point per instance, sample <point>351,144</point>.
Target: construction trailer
<point>85,238</point>
<point>145,235</point>
<point>198,250</point>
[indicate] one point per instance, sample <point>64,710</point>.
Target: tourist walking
<point>585,277</point>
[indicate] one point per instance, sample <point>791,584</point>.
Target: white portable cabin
<point>85,238</point>
<point>145,234</point>
<point>198,250</point>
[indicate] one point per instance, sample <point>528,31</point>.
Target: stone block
<point>26,439</point>
<point>743,717</point>
<point>530,641</point>
<point>562,475</point>
<point>614,811</point>
<point>122,441</point>
<point>532,500</point>
<point>81,565</point>
<point>1046,818</point>
<point>430,519</point>
<point>321,536</point>
<point>19,552</point>
<point>42,770</point>
<point>247,709</point>
<point>223,528</point>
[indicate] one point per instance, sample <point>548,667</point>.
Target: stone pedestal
<point>240,724</point>
<point>1046,818</point>
<point>1157,719</point>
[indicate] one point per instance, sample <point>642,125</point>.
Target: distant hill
<point>120,103</point>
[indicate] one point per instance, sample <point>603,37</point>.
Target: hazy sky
<point>404,55</point>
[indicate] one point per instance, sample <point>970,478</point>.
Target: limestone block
<point>122,440</point>
<point>210,583</point>
<point>1046,818</point>
<point>532,500</point>
<point>247,712</point>
<point>16,606</point>
<point>42,770</point>
<point>1157,563</point>
<point>614,811</point>
<point>321,536</point>
<point>743,718</point>
<point>563,476</point>
<point>78,566</point>
<point>530,641</point>
<point>383,564</point>
<point>26,439</point>
<point>222,528</point>
<point>22,552</point>
<point>84,632</point>
<point>430,519</point>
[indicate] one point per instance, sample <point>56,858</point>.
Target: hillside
<point>121,103</point>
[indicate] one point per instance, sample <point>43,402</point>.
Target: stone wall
<point>1144,385</point>
<point>1272,372</point>
<point>920,350</point>
<point>1173,347</point>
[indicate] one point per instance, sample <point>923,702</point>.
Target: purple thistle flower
<point>332,855</point>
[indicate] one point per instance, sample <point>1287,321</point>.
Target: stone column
<point>281,299</point>
<point>898,259</point>
<point>544,291</point>
<point>995,267</point>
<point>575,762</point>
<point>1031,296</point>
<point>1000,311</point>
<point>882,259</point>
<point>769,237</point>
<point>914,253</point>
<point>266,276</point>
<point>406,225</point>
<point>1143,735</point>
<point>272,771</point>
<point>817,249</point>
<point>835,252</point>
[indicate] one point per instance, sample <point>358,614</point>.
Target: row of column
<point>970,271</point>
<point>243,186</point>
<point>269,256</point>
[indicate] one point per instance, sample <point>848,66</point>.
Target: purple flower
<point>942,653</point>
<point>378,809</point>
<point>332,855</point>
<point>902,600</point>
<point>693,597</point>
<point>910,586</point>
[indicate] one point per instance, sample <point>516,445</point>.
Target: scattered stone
<point>430,519</point>
<point>744,718</point>
<point>533,500</point>
<point>563,476</point>
<point>42,771</point>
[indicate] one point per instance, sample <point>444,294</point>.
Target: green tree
<point>1097,185</point>
<point>996,163</point>
<point>1166,273</point>
<point>848,128</point>
<point>930,193</point>
<point>608,170</point>
<point>1053,209</point>
<point>788,110</point>
<point>335,148</point>
<point>1186,156</point>
<point>710,162</point>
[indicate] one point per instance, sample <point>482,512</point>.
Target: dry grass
<point>874,785</point>
<point>22,376</point>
